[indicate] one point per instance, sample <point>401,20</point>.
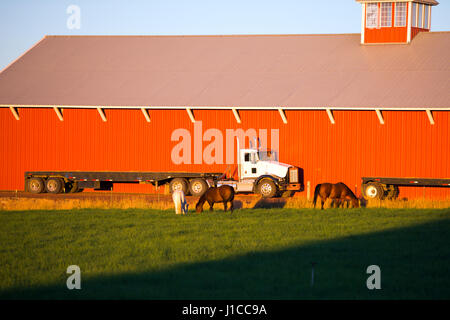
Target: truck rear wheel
<point>54,185</point>
<point>267,188</point>
<point>35,185</point>
<point>198,186</point>
<point>179,184</point>
<point>373,190</point>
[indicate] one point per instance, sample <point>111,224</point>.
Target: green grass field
<point>251,254</point>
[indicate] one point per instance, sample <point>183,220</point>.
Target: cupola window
<point>400,14</point>
<point>372,15</point>
<point>386,14</point>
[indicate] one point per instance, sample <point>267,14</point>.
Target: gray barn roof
<point>262,71</point>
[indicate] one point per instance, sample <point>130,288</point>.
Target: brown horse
<point>338,193</point>
<point>212,195</point>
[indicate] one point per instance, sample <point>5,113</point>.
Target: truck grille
<point>293,175</point>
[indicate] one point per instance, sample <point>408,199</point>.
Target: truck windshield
<point>268,155</point>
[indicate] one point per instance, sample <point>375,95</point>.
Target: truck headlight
<point>293,175</point>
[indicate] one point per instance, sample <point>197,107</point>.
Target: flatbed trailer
<point>388,187</point>
<point>74,181</point>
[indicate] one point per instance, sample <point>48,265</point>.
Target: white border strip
<point>190,114</point>
<point>380,116</point>
<point>330,115</point>
<point>256,108</point>
<point>15,113</point>
<point>236,115</point>
<point>283,116</point>
<point>59,113</point>
<point>102,113</point>
<point>363,24</point>
<point>430,116</point>
<point>146,115</point>
<point>409,28</point>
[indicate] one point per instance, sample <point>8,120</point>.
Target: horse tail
<point>316,193</point>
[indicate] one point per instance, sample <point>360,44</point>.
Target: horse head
<point>355,202</point>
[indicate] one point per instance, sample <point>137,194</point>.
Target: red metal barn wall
<point>357,145</point>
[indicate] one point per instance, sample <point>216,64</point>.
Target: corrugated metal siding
<point>386,35</point>
<point>357,145</point>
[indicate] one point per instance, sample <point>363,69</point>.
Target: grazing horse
<point>181,207</point>
<point>212,195</point>
<point>338,193</point>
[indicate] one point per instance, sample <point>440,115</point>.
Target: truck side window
<point>247,157</point>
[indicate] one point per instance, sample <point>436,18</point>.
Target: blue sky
<point>24,22</point>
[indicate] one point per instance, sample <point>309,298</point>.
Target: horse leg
<point>231,206</point>
<point>211,205</point>
<point>321,203</point>
<point>225,206</point>
<point>337,203</point>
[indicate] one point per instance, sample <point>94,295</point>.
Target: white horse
<point>181,206</point>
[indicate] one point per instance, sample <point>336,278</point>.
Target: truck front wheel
<point>267,188</point>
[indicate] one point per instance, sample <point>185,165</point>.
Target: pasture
<point>250,254</point>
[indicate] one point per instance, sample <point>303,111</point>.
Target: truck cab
<point>259,171</point>
<point>256,163</point>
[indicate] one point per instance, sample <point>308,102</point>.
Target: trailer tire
<point>267,188</point>
<point>179,184</point>
<point>54,185</point>
<point>373,190</point>
<point>393,193</point>
<point>71,187</point>
<point>198,187</point>
<point>35,185</point>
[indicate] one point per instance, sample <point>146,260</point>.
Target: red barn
<point>340,109</point>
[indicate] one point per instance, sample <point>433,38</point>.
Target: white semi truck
<point>259,171</point>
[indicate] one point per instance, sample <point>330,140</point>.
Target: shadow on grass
<point>270,203</point>
<point>414,264</point>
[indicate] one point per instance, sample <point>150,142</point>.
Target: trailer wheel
<point>266,188</point>
<point>35,185</point>
<point>198,186</point>
<point>393,193</point>
<point>54,185</point>
<point>179,184</point>
<point>373,190</point>
<point>71,187</point>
